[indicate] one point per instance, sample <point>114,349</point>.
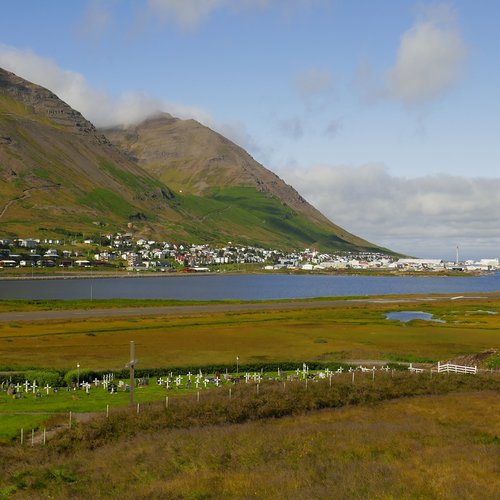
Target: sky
<point>384,114</point>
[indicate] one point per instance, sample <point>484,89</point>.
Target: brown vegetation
<point>434,445</point>
<point>277,333</point>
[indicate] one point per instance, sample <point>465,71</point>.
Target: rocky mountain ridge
<point>171,178</point>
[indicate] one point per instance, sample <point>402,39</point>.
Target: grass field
<point>375,443</point>
<point>356,331</point>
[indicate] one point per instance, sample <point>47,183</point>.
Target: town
<point>123,251</point>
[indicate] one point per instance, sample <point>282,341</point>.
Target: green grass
<point>106,200</point>
<point>11,425</point>
<point>409,358</point>
<point>132,180</point>
<point>31,412</point>
<point>493,361</point>
<point>79,401</point>
<point>13,305</point>
<point>256,217</point>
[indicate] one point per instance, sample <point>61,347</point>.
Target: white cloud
<point>292,128</point>
<point>424,216</point>
<point>189,14</point>
<point>314,81</point>
<point>430,58</point>
<point>95,105</point>
<point>96,19</point>
<point>103,110</point>
<point>333,128</point>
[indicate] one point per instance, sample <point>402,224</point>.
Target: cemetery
<point>92,394</point>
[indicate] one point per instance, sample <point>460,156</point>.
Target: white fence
<point>456,368</point>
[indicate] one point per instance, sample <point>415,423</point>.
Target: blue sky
<point>383,114</point>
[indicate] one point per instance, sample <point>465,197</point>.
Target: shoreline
<point>140,275</point>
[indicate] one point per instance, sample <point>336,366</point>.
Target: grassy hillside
<point>226,188</point>
<point>377,443</point>
<point>57,173</point>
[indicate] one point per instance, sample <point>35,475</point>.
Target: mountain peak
<point>44,102</point>
<point>193,159</point>
<point>59,175</point>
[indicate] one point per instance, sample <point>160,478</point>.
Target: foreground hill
<point>61,176</point>
<point>231,189</point>
<point>276,444</point>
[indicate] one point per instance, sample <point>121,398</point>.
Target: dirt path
<point>203,309</point>
<point>26,194</point>
<point>42,434</point>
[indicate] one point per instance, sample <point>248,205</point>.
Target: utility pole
<point>131,365</point>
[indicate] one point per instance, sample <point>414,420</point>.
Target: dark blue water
<point>246,287</point>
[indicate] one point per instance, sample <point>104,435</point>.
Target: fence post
<point>32,437</point>
<point>257,388</point>
<point>107,411</point>
<point>138,408</point>
<point>22,436</point>
<point>353,377</point>
<point>70,420</point>
<point>44,436</point>
<point>166,402</point>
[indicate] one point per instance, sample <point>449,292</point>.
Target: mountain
<point>226,186</point>
<point>60,176</point>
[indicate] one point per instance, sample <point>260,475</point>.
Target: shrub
<point>44,377</point>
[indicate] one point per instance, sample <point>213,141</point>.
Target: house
<point>51,253</point>
<point>134,260</point>
<point>82,263</point>
<point>28,243</point>
<point>8,263</point>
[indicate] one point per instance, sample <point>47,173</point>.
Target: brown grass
<point>322,333</point>
<point>440,446</point>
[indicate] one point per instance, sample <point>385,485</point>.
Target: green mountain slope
<point>59,175</point>
<point>226,188</point>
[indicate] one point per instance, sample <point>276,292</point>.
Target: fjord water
<point>244,287</point>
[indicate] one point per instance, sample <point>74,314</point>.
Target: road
<point>207,308</point>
